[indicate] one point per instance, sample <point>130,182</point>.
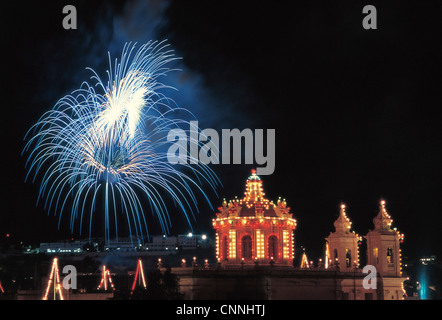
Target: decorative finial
<point>383,220</point>
<point>343,223</point>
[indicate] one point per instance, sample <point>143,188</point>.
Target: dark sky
<point>354,109</point>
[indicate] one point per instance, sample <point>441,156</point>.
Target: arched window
<point>225,248</point>
<point>376,255</point>
<point>273,247</point>
<point>389,255</point>
<point>246,246</point>
<point>348,258</point>
<point>335,253</point>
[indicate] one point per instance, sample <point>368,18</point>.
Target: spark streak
<point>104,148</point>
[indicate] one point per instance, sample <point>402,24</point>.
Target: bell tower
<point>342,245</point>
<point>383,245</point>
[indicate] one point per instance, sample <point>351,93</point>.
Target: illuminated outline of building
<point>254,229</point>
<point>338,277</point>
<point>342,248</point>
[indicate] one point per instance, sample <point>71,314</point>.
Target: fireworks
<point>103,149</point>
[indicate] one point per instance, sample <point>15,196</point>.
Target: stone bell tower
<point>384,253</point>
<point>343,244</point>
<point>383,245</point>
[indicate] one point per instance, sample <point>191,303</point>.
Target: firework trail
<point>106,144</point>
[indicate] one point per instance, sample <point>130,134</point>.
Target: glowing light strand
<point>54,281</point>
<point>105,279</point>
<point>327,255</point>
<point>139,277</point>
<point>304,261</point>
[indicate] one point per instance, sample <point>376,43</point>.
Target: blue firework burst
<point>106,143</point>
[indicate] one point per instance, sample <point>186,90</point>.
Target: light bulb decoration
<point>54,282</point>
<point>139,280</point>
<point>304,261</point>
<point>327,255</point>
<point>343,242</point>
<point>259,217</point>
<point>383,220</point>
<point>106,280</point>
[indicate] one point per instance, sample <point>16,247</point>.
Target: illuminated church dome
<point>254,229</point>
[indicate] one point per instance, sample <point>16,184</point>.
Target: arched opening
<point>376,255</point>
<point>389,255</point>
<point>348,258</point>
<point>246,247</point>
<point>273,247</point>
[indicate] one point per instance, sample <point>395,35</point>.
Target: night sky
<point>355,110</point>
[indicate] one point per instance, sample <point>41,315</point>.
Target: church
<point>254,229</point>
<point>255,256</point>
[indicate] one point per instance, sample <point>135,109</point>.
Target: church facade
<point>255,254</point>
